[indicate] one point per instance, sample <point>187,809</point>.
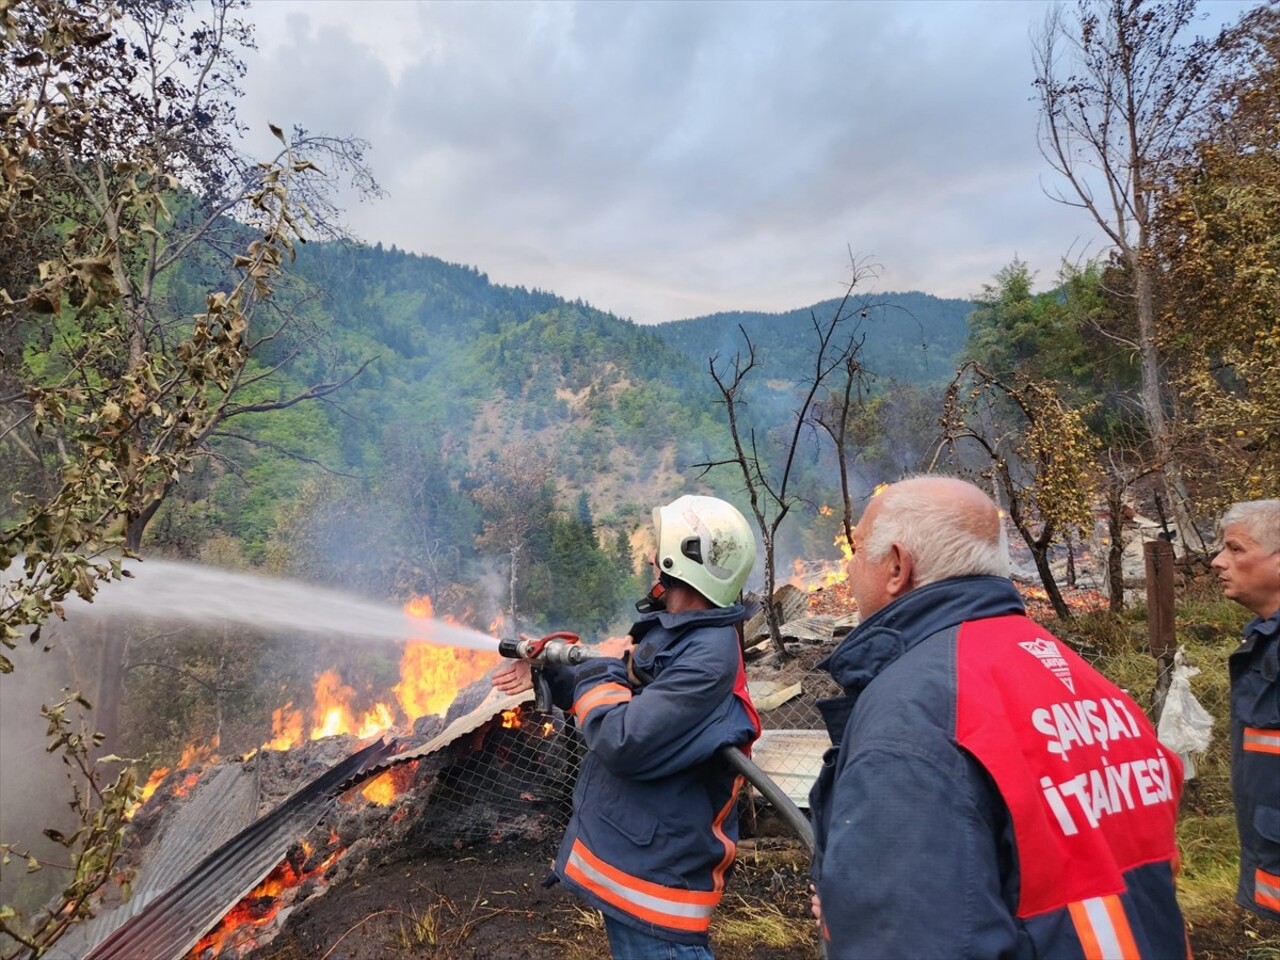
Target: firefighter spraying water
<point>662,711</point>
<point>566,649</point>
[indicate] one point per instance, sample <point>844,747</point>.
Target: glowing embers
<point>383,789</point>
<point>237,933</point>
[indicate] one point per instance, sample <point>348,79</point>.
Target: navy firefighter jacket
<point>988,793</point>
<point>654,827</point>
<point>1255,763</point>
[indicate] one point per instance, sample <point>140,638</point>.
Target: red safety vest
<point>1091,790</point>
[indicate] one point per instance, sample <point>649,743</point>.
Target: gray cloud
<point>666,159</point>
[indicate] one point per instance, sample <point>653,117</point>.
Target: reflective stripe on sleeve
<point>1261,741</point>
<point>599,696</point>
<point>717,830</point>
<point>678,909</point>
<point>1266,890</point>
<point>1103,929</point>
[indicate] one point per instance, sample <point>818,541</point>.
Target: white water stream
<point>173,590</point>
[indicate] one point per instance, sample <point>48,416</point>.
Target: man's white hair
<point>943,541</point>
<point>1260,518</point>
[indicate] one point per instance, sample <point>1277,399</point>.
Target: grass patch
<point>420,928</point>
<point>584,938</point>
<point>739,924</point>
<point>1210,865</point>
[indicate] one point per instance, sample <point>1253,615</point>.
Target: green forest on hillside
<point>452,370</point>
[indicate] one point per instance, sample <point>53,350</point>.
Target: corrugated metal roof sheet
<point>175,905</point>
<point>215,812</point>
<point>172,922</point>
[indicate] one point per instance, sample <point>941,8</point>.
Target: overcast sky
<point>667,160</point>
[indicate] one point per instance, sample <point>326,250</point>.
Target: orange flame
<point>153,783</point>
<point>261,904</point>
<point>332,714</point>
<point>189,781</point>
<point>432,674</point>
<point>194,755</point>
<point>381,790</point>
<point>199,753</point>
<point>286,725</point>
<point>813,576</point>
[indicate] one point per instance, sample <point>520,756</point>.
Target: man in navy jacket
<point>988,793</point>
<point>655,821</point>
<point>1248,567</point>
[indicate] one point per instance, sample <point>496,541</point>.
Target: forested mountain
<point>910,337</point>
<point>454,377</point>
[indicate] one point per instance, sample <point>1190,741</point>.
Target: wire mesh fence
<point>525,768</point>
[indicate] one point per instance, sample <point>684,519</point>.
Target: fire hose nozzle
<point>513,649</point>
<point>556,648</point>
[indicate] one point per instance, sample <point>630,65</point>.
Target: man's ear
<point>900,569</point>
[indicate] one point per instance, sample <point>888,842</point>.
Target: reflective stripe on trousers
<point>1266,889</point>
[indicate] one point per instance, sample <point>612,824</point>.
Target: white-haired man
<point>988,793</point>
<point>1248,566</point>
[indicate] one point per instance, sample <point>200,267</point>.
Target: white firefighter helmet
<point>706,543</point>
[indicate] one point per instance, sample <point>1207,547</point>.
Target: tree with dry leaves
<point>1122,85</point>
<point>1038,451</point>
<point>116,167</point>
<point>119,170</point>
<point>1218,233</point>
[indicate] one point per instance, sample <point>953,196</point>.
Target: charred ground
<point>489,904</point>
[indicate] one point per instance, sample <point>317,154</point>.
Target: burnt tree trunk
<point>1115,550</point>
<point>1160,620</point>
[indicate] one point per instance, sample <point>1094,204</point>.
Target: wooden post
<point>1160,618</point>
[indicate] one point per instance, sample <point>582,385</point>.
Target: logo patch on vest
<point>1090,789</point>
<point>1047,652</point>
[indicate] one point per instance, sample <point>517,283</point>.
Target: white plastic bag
<point>1185,726</point>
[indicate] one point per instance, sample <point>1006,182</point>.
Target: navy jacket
<point>1255,763</point>
<point>654,828</point>
<point>916,852</point>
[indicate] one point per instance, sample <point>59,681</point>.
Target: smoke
<point>33,783</point>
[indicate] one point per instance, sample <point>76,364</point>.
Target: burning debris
<point>225,849</point>
<point>210,886</point>
<point>166,920</point>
